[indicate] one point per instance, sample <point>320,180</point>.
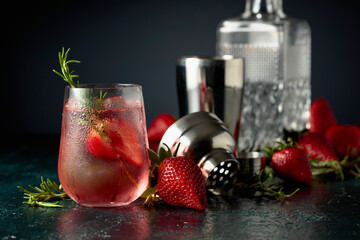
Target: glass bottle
<point>276,49</point>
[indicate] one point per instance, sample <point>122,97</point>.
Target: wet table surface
<point>325,210</point>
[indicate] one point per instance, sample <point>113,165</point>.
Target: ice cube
<point>119,102</point>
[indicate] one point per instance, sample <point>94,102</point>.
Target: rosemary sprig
<point>48,191</point>
<point>87,102</point>
<point>93,118</point>
<point>256,184</point>
<point>67,75</point>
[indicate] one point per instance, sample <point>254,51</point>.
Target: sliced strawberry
<point>99,147</point>
<point>321,116</point>
<point>125,140</point>
<point>119,140</point>
<point>344,139</point>
<point>317,147</point>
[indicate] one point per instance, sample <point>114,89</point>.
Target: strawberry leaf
<point>325,167</point>
<point>164,153</point>
<point>351,165</point>
<point>269,151</point>
<point>154,157</point>
<point>148,192</point>
<point>151,197</point>
<point>291,135</point>
<point>355,171</point>
<point>344,161</point>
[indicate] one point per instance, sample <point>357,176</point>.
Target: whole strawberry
<point>321,116</point>
<point>292,164</point>
<point>317,147</point>
<point>181,183</point>
<point>157,128</point>
<point>344,139</point>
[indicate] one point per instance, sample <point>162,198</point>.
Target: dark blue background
<point>138,42</point>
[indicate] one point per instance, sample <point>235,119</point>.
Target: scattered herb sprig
<point>256,184</point>
<point>48,191</point>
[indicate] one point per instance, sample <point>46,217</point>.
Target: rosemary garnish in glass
<point>67,75</point>
<point>86,100</point>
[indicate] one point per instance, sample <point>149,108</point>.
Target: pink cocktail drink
<point>103,158</point>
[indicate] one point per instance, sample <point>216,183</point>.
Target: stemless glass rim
<point>105,86</point>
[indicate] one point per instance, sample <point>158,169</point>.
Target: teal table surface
<point>325,210</point>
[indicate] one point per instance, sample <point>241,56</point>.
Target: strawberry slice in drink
<point>118,140</point>
<point>100,147</point>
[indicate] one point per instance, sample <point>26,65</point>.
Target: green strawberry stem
<point>325,167</point>
<point>150,194</point>
<point>292,135</point>
<point>356,171</point>
<point>351,166</point>
<point>269,151</point>
<point>347,166</point>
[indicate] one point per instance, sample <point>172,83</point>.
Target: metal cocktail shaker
<point>204,139</point>
<point>212,84</point>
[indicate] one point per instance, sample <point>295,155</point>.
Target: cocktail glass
<point>103,160</point>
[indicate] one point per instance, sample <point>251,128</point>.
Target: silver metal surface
<point>250,162</point>
<point>211,84</point>
<point>204,139</point>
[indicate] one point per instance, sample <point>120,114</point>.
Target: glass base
<point>101,205</point>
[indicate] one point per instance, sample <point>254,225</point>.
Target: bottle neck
<point>264,8</point>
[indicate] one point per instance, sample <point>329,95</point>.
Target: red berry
<point>159,126</point>
<point>292,164</point>
<point>317,147</point>
<point>118,141</point>
<point>157,129</point>
<point>181,183</point>
<point>321,116</point>
<point>344,139</point>
<point>100,147</point>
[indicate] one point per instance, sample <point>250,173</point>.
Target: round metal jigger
<point>250,163</point>
<point>204,139</point>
